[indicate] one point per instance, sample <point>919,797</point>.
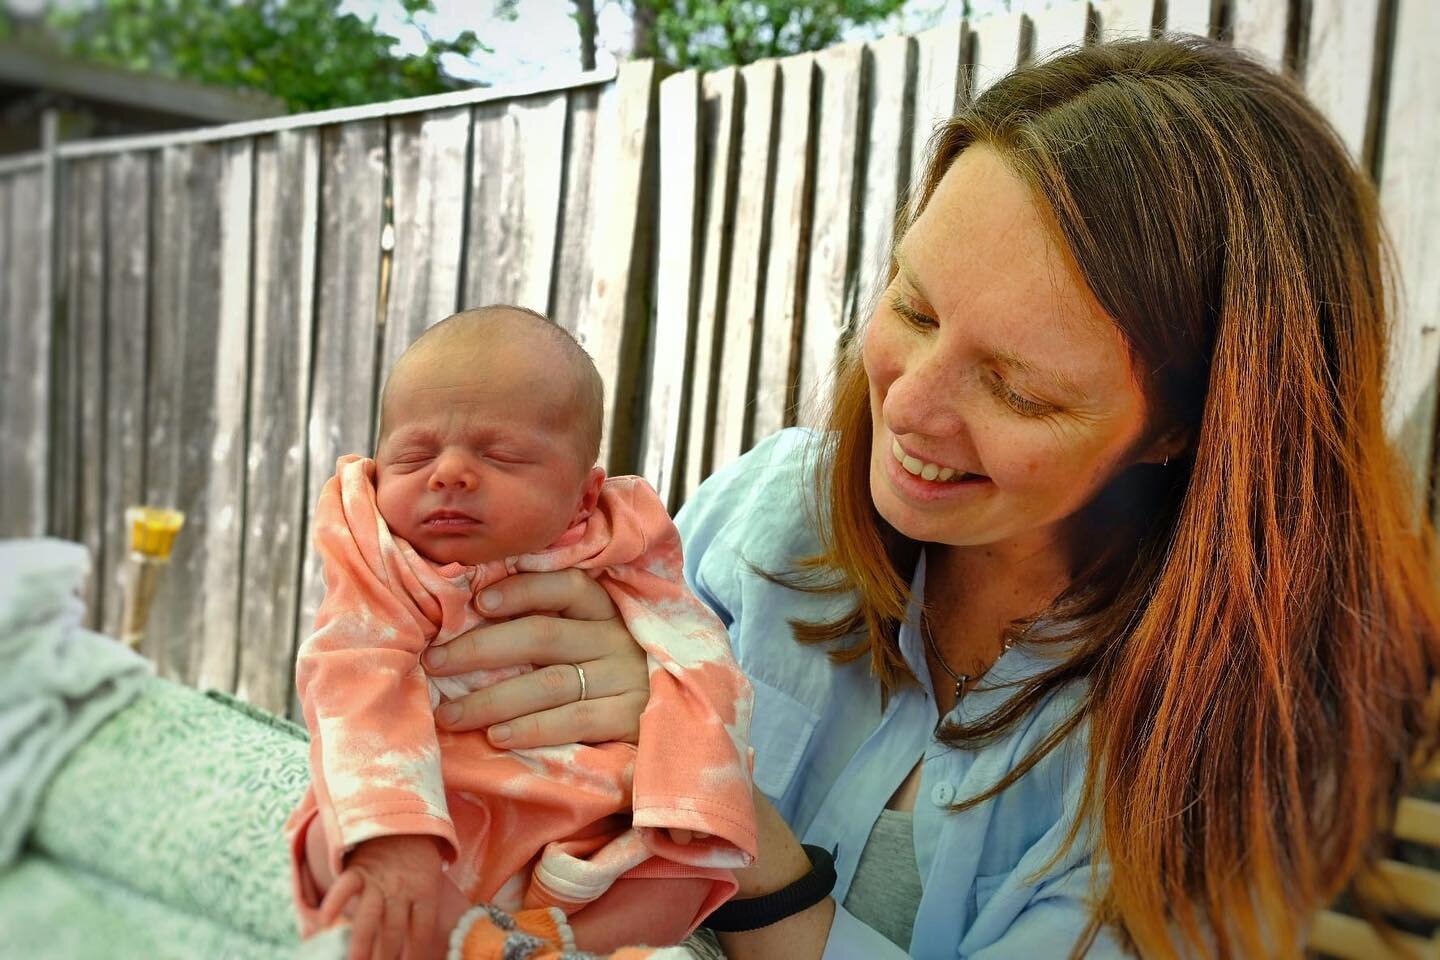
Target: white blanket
<point>58,681</point>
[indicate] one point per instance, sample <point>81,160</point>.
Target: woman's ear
<point>1166,447</point>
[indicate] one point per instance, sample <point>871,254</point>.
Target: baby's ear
<point>590,495</point>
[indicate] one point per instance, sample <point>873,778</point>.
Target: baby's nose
<point>454,471</point>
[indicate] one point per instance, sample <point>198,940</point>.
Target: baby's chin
<point>444,550</point>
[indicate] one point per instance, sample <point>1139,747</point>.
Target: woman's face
<point>986,356</point>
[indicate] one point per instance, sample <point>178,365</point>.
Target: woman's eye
<point>1022,405</point>
<point>910,315</point>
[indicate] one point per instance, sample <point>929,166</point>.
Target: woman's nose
<point>927,398</point>
<point>454,471</point>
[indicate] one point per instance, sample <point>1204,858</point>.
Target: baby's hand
<point>683,837</point>
<point>397,883</point>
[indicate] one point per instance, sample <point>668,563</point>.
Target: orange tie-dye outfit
<point>525,828</point>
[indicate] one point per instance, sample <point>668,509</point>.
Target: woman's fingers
<point>544,689</point>
<point>591,721</point>
<point>536,639</point>
<point>570,593</point>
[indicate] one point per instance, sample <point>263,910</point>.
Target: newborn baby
<point>489,430</point>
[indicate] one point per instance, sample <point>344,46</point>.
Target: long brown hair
<point>1259,632</point>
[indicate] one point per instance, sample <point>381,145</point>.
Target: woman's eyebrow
<point>1062,382</point>
<point>908,275</point>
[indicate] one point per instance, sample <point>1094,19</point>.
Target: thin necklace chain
<point>960,678</point>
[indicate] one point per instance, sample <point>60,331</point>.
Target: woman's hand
<point>557,620</point>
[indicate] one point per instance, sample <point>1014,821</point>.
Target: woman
<point>1104,582</point>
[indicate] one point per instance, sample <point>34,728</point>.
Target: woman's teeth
<point>926,471</point>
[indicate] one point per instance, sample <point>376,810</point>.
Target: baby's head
<point>489,431</point>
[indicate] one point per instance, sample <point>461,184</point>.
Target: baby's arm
<point>374,754</point>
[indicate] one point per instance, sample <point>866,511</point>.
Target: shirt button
<point>942,794</point>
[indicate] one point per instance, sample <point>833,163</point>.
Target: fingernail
<point>500,733</point>
<point>490,599</point>
<point>448,714</point>
<point>435,656</point>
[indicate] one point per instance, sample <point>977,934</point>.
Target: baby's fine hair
<point>588,385</point>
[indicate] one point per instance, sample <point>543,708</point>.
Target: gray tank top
<point>885,891</point>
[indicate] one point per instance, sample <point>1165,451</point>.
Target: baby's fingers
<point>422,929</point>
<point>366,925</point>
<point>393,929</point>
<point>683,837</point>
<point>346,887</point>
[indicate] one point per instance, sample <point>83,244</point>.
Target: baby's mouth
<point>449,520</point>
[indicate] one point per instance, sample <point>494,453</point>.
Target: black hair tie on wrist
<point>737,916</point>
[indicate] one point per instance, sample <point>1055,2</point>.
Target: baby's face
<point>480,459</point>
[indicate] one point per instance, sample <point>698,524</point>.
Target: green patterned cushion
<point>180,799</point>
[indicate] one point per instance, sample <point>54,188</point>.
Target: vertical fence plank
<point>1411,207</point>
<point>939,84</point>
<point>287,186</point>
<point>1258,26</point>
<point>1340,67</point>
<point>127,306</point>
<point>886,163</point>
<point>25,409</point>
<point>1126,19</point>
<point>86,322</point>
<point>351,216</point>
<point>721,107</point>
<point>751,240</point>
<point>783,303</point>
<point>197,364</point>
<point>998,44</point>
<point>1188,16</point>
<point>590,111</point>
<point>677,249</point>
<point>614,327</point>
<point>1058,27</point>
<point>428,177</point>
<point>838,195</point>
<point>64,359</point>
<point>515,180</point>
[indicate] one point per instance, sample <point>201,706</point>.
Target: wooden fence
<point>202,319</point>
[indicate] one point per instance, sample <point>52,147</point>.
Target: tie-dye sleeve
<point>374,754</point>
<point>692,768</point>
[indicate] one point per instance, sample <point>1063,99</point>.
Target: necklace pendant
<point>960,687</point>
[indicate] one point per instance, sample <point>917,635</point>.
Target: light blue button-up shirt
<point>830,758</point>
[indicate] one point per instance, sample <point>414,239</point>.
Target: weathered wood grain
<point>196,404</point>
<point>750,243</point>
<point>1410,204</point>
<point>287,188</point>
<point>1340,68</point>
<point>997,45</point>
<point>515,181</point>
<point>346,339</point>
<point>614,327</point>
<point>428,175</point>
<point>721,108</point>
<point>834,233</point>
<point>782,313</point>
<point>677,275</point>
<point>1258,26</point>
<point>1126,19</point>
<point>939,84</point>
<point>84,407</point>
<point>127,308</point>
<point>886,164</point>
<point>1056,28</point>
<point>25,409</point>
<point>590,111</point>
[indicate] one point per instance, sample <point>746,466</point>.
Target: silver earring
<point>1166,463</point>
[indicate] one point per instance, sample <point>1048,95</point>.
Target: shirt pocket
<point>780,732</point>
